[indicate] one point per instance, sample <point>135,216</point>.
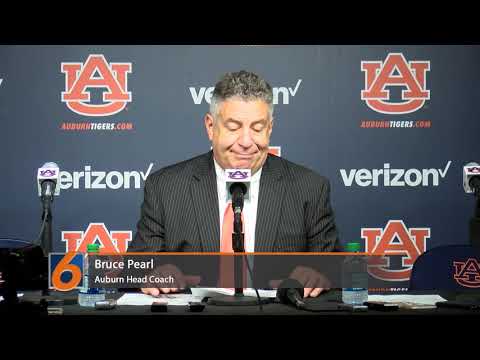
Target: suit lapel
<point>203,192</point>
<point>271,195</point>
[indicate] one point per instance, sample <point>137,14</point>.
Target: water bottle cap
<point>93,248</point>
<point>352,247</point>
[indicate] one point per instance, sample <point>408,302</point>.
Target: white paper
<point>204,292</point>
<point>182,299</point>
<point>18,295</point>
<point>417,299</point>
<point>142,299</point>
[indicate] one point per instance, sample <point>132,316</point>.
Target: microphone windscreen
<point>235,176</point>
<point>240,186</point>
<point>48,172</point>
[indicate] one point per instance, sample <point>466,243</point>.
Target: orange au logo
<point>110,241</point>
<point>395,71</point>
<point>96,73</point>
<point>275,150</point>
<point>394,239</point>
<point>467,273</point>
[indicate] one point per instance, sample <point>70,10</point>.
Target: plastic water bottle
<point>354,272</point>
<point>88,296</point>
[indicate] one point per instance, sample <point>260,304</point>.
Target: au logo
<point>467,273</point>
<point>109,241</point>
<point>394,239</point>
<point>96,72</point>
<point>48,173</point>
<point>237,175</point>
<point>474,169</point>
<point>65,271</point>
<point>395,71</point>
<point>275,150</point>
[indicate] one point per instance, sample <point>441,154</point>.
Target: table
<point>272,310</point>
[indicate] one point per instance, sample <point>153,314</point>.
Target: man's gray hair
<point>243,84</point>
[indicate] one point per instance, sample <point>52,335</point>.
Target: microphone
<point>238,191</point>
<point>238,184</point>
<point>47,179</point>
<point>471,178</point>
<point>290,291</point>
<point>236,177</point>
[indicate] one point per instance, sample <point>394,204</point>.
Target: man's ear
<point>271,128</point>
<point>209,123</point>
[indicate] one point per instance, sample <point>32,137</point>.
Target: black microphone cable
<point>37,241</point>
<point>45,216</point>
<point>259,299</point>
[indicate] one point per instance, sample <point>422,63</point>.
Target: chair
<point>22,266</point>
<point>447,268</point>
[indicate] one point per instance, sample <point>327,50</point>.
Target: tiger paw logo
<point>395,71</point>
<point>96,72</point>
<point>97,233</point>
<point>467,273</point>
<point>394,239</point>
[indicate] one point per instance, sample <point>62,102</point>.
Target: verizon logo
<point>90,179</point>
<point>394,177</point>
<point>281,95</point>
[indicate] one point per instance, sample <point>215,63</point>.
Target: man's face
<point>241,134</point>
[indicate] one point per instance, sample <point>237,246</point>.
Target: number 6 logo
<point>60,264</point>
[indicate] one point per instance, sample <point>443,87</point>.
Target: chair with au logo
<point>450,268</point>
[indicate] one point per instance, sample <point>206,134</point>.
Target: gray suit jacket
<point>180,209</point>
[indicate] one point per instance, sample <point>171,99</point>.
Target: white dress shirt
<point>249,207</point>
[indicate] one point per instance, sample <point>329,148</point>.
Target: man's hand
<point>314,282</point>
<point>158,291</point>
<point>181,280</point>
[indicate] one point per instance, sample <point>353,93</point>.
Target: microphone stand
<point>46,234</point>
<point>238,245</point>
<point>46,243</point>
<point>474,229</point>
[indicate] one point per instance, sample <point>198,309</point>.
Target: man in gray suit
<point>185,204</point>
